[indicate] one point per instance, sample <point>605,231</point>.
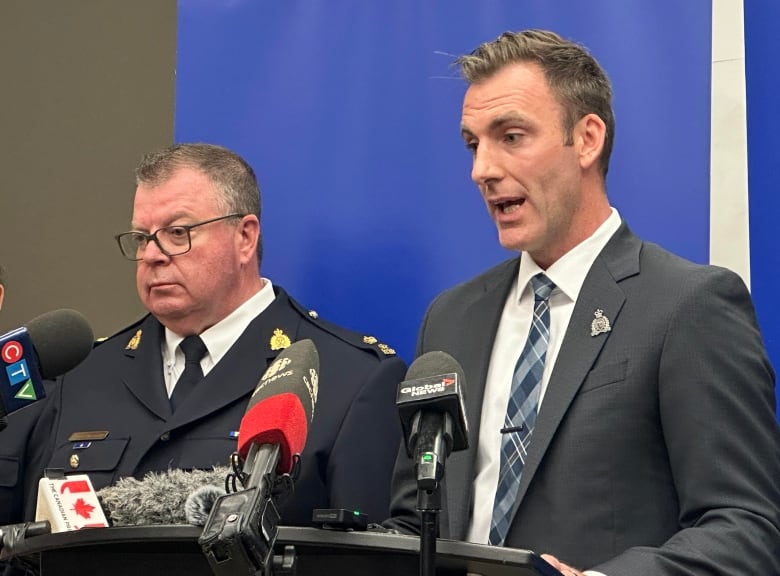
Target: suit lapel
<point>142,367</point>
<point>473,351</point>
<point>618,260</point>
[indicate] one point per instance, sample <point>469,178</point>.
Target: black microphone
<point>48,346</point>
<point>430,404</point>
<point>241,529</point>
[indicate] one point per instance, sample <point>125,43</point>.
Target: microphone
<point>48,346</point>
<point>162,497</point>
<point>241,529</point>
<point>433,418</point>
<point>281,407</point>
<point>198,506</point>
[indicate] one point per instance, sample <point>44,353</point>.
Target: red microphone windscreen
<point>279,419</point>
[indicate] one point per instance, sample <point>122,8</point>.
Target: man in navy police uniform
<point>197,242</point>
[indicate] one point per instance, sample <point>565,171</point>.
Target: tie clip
<point>511,429</point>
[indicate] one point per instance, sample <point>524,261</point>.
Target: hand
<point>564,569</point>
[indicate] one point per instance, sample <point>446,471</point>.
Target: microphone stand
<point>430,458</point>
<point>429,506</point>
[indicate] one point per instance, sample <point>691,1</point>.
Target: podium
<point>174,551</point>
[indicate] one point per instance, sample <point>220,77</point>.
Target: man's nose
<point>153,253</point>
<point>485,168</point>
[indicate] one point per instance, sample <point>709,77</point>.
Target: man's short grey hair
<point>233,177</point>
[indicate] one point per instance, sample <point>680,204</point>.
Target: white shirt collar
<point>220,337</point>
<point>569,271</point>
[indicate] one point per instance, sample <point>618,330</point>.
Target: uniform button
<point>165,437</point>
<point>74,461</point>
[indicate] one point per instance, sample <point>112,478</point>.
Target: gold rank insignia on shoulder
<point>386,349</point>
<point>369,340</point>
<point>279,340</point>
<point>313,314</point>
<point>101,339</point>
<point>134,341</point>
<point>600,324</point>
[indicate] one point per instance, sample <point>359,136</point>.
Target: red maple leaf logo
<point>83,509</point>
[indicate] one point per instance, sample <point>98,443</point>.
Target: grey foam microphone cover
<point>159,498</point>
<point>198,505</point>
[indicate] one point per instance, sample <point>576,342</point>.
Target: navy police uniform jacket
<point>111,417</point>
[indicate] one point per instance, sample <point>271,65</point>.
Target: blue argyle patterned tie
<point>521,410</point>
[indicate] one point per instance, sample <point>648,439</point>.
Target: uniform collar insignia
<point>279,340</point>
<point>134,341</point>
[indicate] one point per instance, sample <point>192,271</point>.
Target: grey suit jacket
<point>656,449</point>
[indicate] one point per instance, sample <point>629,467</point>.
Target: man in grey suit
<point>620,398</point>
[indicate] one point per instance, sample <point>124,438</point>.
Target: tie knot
<point>194,349</point>
<point>542,286</point>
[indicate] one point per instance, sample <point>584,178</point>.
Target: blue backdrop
<point>762,47</point>
<point>349,111</point>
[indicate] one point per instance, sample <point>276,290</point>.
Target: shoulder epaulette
<point>356,339</point>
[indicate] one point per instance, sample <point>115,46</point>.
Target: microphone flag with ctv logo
<point>20,380</point>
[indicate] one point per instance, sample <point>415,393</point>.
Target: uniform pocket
<point>99,459</point>
<point>9,471</point>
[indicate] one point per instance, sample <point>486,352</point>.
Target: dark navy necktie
<point>194,350</point>
<point>521,410</point>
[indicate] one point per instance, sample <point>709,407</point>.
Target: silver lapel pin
<point>600,324</point>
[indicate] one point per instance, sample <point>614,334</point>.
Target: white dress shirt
<point>568,273</point>
<point>218,339</point>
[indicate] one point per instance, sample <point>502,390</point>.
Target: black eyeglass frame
<point>153,236</point>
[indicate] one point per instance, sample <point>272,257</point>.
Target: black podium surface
<point>174,550</point>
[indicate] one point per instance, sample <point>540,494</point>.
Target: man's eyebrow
<point>508,118</point>
<point>172,218</point>
<point>498,122</point>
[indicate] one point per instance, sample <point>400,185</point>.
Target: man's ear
<point>248,237</point>
<point>589,135</point>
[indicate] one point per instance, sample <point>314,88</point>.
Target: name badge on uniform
<point>88,436</point>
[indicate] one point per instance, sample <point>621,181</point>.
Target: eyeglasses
<point>171,240</point>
